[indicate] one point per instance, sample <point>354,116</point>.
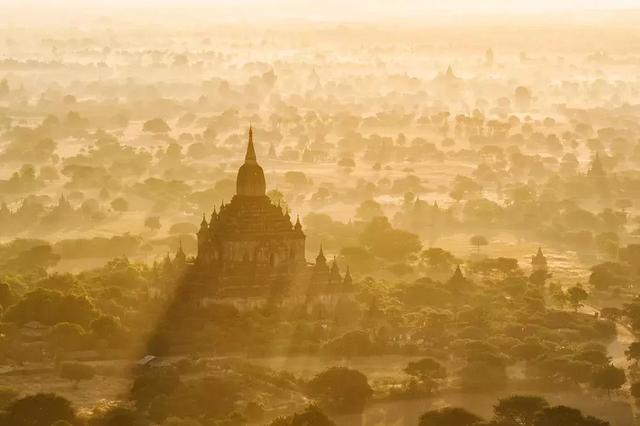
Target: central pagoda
<point>250,243</point>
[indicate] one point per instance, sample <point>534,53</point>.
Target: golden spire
<point>251,152</point>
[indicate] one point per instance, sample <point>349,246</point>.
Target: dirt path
<point>616,350</point>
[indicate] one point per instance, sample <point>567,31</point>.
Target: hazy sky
<point>387,4</point>
<point>340,6</point>
<point>323,10</point>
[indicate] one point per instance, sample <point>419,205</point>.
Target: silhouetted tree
<point>76,372</point>
<point>42,409</point>
<point>576,295</point>
<point>341,389</point>
<point>449,416</point>
<point>311,416</point>
<point>156,125</point>
<point>565,416</point>
<point>609,378</point>
<point>518,410</point>
<point>477,241</point>
<point>429,372</point>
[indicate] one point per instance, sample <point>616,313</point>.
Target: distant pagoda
<point>539,261</point>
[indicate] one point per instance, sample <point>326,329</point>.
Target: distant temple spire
<point>250,181</point>
<point>180,258</point>
<point>348,281</point>
<point>298,227</point>
<point>251,151</point>
<point>320,258</point>
<point>450,71</point>
<point>596,169</point>
<point>321,274</point>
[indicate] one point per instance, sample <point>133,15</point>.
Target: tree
<point>66,336</point>
<point>609,378</point>
<point>117,416</point>
<point>632,312</point>
<point>120,204</point>
<point>297,179</point>
<point>482,212</point>
<point>42,409</point>
<point>387,242</point>
<point>439,259</point>
<point>38,305</point>
<point>560,297</point>
<point>635,390</point>
<point>506,265</point>
<point>7,296</point>
<point>518,410</point>
<point>358,258</point>
<point>429,372</point>
<point>177,421</point>
<point>341,389</point>
<point>633,352</point>
<point>156,125</point>
<point>152,222</point>
<point>609,274</point>
<point>311,416</point>
<point>522,97</point>
<point>151,383</point>
<point>539,277</point>
<point>38,257</point>
<point>278,199</point>
<point>477,241</point>
<point>611,314</point>
<point>216,396</point>
<point>449,416</point>
<point>576,295</point>
<point>109,329</point>
<point>565,416</point>
<point>57,281</point>
<point>463,186</point>
<point>369,210</point>
<point>76,372</point>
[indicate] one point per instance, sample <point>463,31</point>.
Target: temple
<point>539,261</point>
<point>250,246</point>
<point>596,170</point>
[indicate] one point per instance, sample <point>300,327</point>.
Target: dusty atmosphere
<point>296,213</point>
